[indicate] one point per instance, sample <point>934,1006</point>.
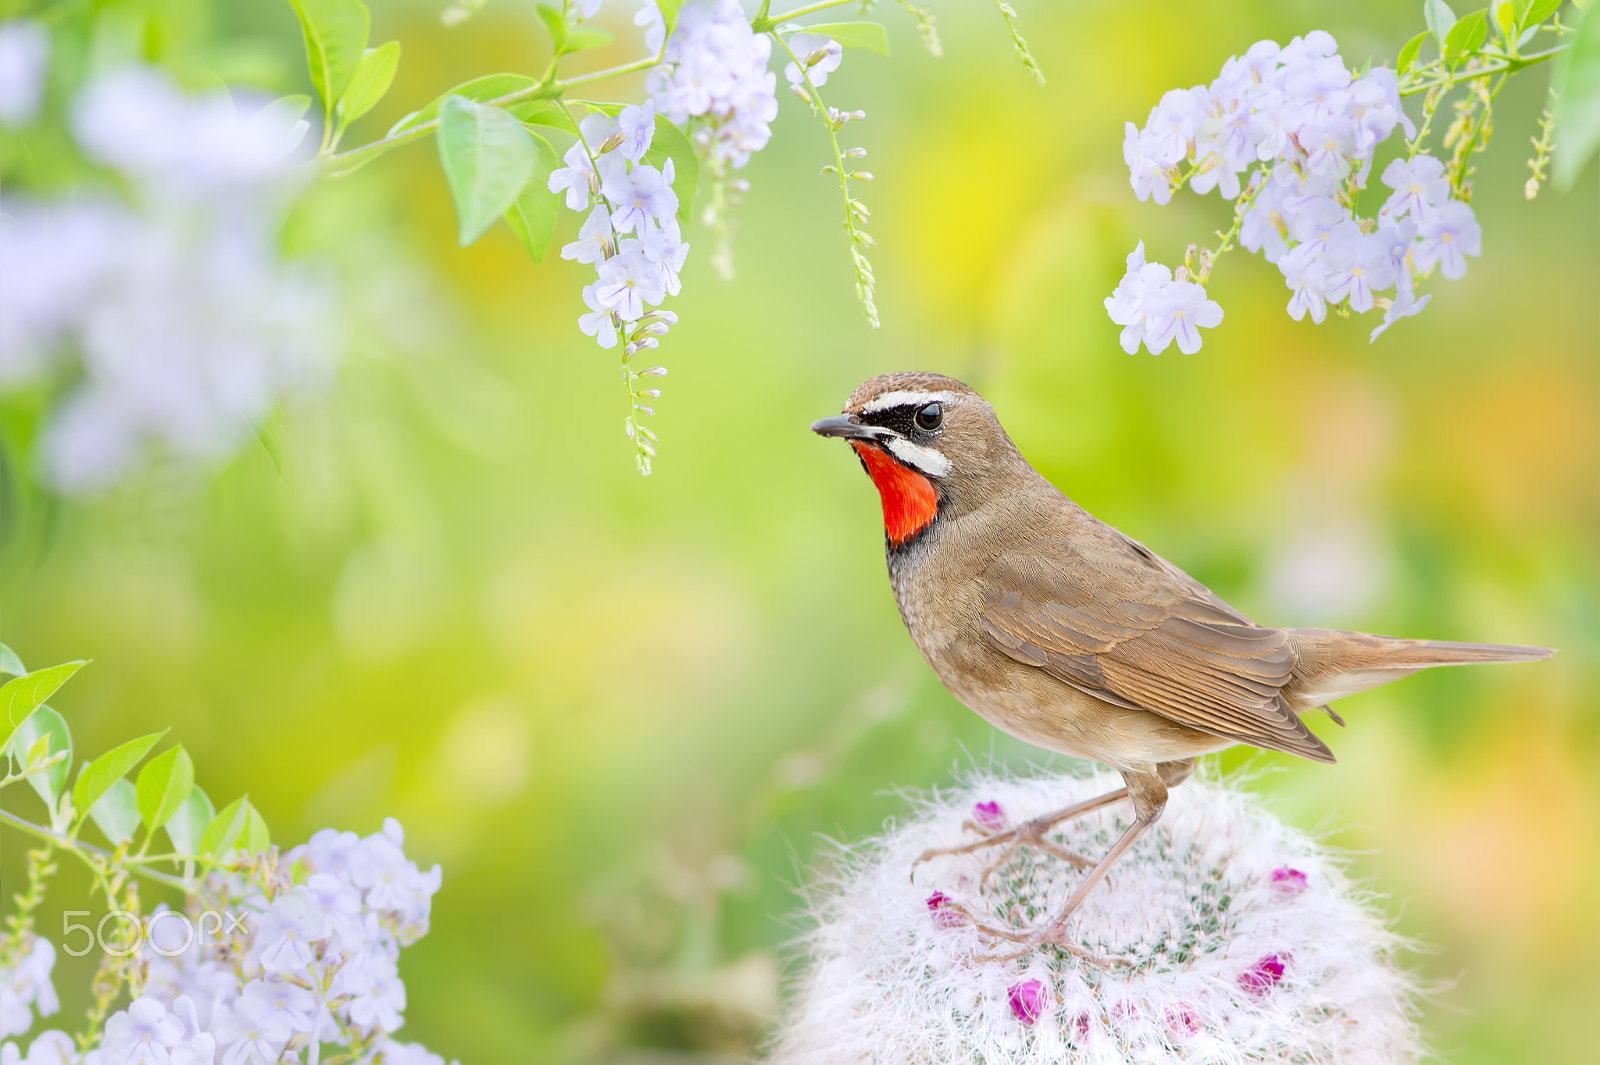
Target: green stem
<point>347,162</point>
<point>1240,209</point>
<point>863,270</point>
<point>87,852</point>
<point>1450,79</point>
<point>763,23</point>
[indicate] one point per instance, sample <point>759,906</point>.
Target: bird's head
<point>929,443</point>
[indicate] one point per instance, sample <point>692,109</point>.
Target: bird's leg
<point>1148,790</point>
<point>1029,833</point>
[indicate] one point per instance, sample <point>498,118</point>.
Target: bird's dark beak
<point>850,427</point>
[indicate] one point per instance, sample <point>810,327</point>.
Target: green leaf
<point>1505,18</point>
<point>1440,19</point>
<point>44,724</point>
<point>555,25</point>
<point>544,113</point>
<point>1467,35</point>
<point>1533,12</point>
<point>227,830</point>
<point>1577,84</point>
<point>269,431</point>
<point>336,38</point>
<point>117,812</point>
<point>533,216</point>
<point>582,38</point>
<point>670,142</point>
<point>20,695</point>
<point>98,776</point>
<point>164,784</point>
<point>669,12</point>
<point>489,87</point>
<point>1408,54</point>
<point>255,838</point>
<point>373,76</point>
<point>10,663</point>
<point>869,35</point>
<point>188,825</point>
<point>488,157</point>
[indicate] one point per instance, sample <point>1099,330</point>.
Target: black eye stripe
<point>902,419</point>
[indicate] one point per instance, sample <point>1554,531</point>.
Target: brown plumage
<point>1064,632</point>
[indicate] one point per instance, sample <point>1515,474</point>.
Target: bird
<point>1072,636</point>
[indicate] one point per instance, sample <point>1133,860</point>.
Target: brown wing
<point>1105,615</point>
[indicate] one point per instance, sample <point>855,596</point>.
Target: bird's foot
<point>1029,833</point>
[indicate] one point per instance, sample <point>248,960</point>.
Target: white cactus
<point>1223,936</point>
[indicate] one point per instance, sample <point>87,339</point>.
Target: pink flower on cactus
<point>1287,882</point>
<point>944,915</point>
<point>1183,1020</point>
<point>1265,974</point>
<point>989,815</point>
<point>1028,999</point>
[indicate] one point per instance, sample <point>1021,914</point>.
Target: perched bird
<point>1064,632</point>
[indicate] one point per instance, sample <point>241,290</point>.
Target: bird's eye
<point>929,417</point>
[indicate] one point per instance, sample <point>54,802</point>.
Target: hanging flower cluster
<point>714,68</point>
<point>1305,130</point>
<point>171,308</point>
<point>312,964</point>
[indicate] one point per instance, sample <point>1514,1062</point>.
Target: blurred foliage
<point>625,714</point>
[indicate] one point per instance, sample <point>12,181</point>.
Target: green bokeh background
<point>624,713</point>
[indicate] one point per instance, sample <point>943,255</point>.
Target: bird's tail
<point>1334,664</point>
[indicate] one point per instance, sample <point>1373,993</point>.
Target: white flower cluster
<point>631,235</point>
<point>714,68</point>
<point>1311,128</point>
<point>174,313</point>
<point>1223,936</point>
<point>314,965</point>
<point>25,986</point>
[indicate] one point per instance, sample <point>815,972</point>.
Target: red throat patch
<point>910,502</point>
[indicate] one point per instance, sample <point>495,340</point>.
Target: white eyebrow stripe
<point>926,459</point>
<point>907,399</point>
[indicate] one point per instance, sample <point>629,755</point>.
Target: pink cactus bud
<point>1028,999</point>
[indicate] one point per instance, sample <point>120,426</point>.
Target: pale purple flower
<point>26,987</point>
<point>1447,238</point>
<point>1178,311</point>
<point>1028,999</point>
<point>1146,173</point>
<point>1357,266</point>
<point>638,127</point>
<point>1260,978</point>
<point>600,322</point>
<point>1309,282</point>
<point>819,53</point>
<point>288,930</point>
<point>586,9</point>
<point>142,1034</point>
<point>663,244</point>
<point>655,27</point>
<point>249,1032</point>
<point>594,238</point>
<point>641,196</point>
<point>1419,187</point>
<point>1127,306</point>
<point>1288,882</point>
<point>1404,305</point>
<point>629,280</point>
<point>577,177</point>
<point>24,59</point>
<point>52,1047</point>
